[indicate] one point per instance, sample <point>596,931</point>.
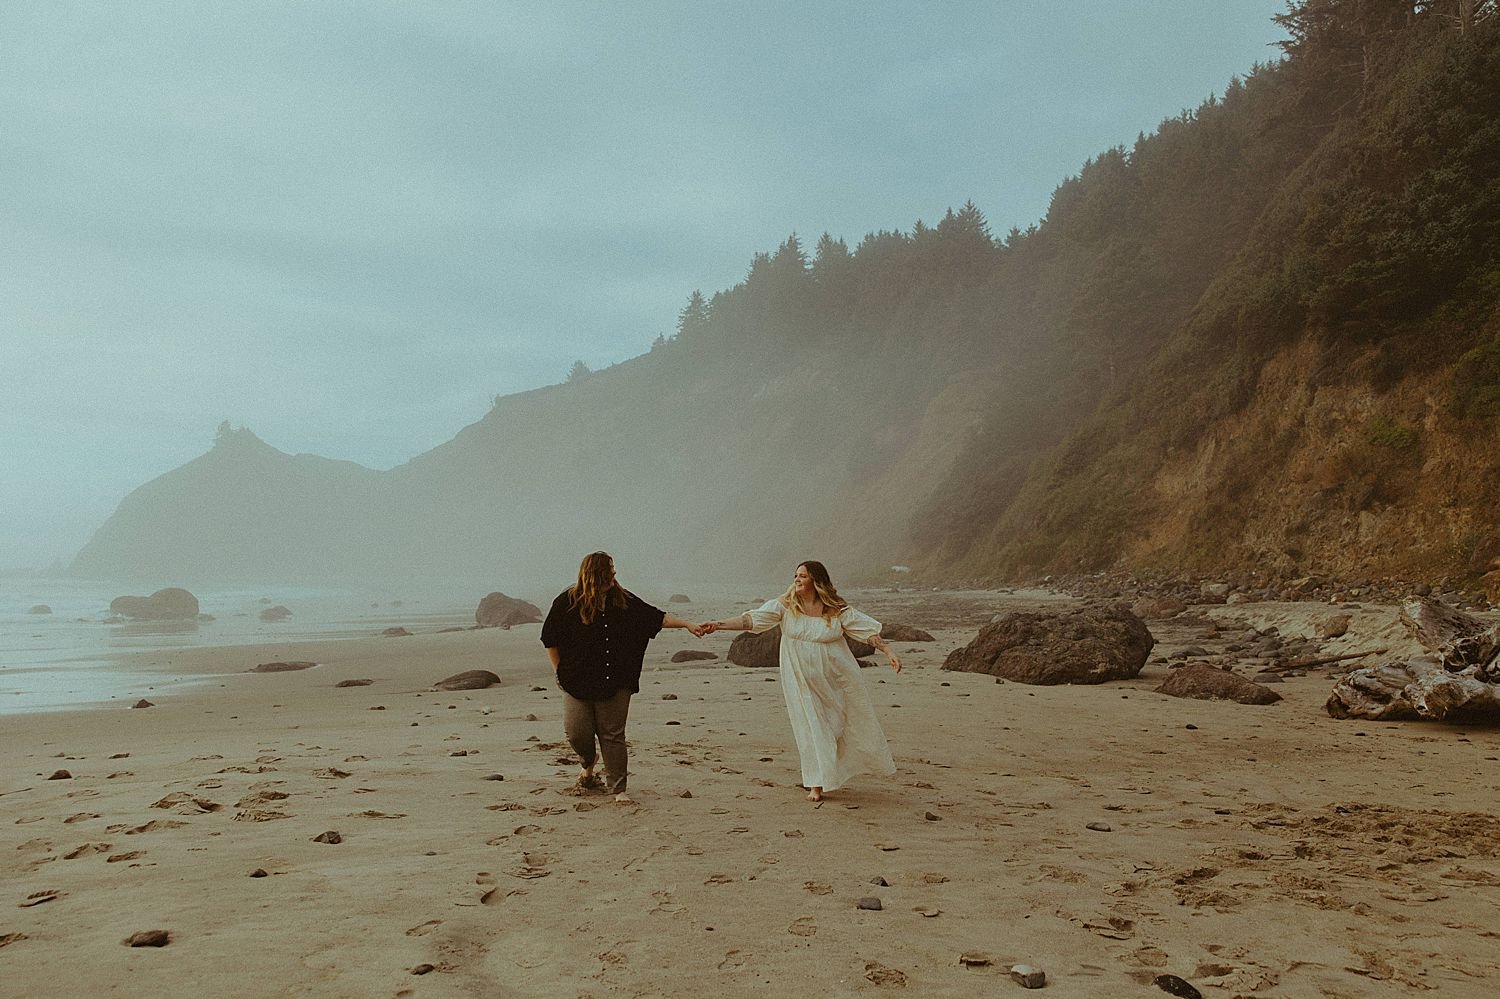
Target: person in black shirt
<point>596,635</point>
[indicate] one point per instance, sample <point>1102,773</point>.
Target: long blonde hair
<point>596,587</point>
<point>822,586</point>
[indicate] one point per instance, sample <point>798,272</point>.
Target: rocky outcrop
<point>170,604</point>
<point>497,610</point>
<point>1093,644</point>
<point>1205,683</point>
<point>1457,679</point>
<point>764,650</point>
<point>474,679</point>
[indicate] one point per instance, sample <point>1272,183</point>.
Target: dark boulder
<point>40,609</point>
<point>170,604</point>
<point>1093,644</point>
<point>474,679</point>
<point>277,613</point>
<point>764,650</point>
<point>692,655</point>
<point>903,633</point>
<point>1205,683</point>
<point>497,610</point>
<point>679,598</point>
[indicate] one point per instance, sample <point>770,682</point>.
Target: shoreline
<point>1250,850</point>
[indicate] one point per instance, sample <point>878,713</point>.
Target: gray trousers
<point>585,721</point>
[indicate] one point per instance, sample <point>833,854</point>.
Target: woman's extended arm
<point>740,623</point>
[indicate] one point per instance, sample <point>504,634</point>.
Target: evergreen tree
<point>694,316</point>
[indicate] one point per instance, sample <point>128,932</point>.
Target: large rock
<point>497,610</point>
<point>1093,644</point>
<point>1209,684</point>
<point>764,650</point>
<point>474,679</point>
<point>170,604</point>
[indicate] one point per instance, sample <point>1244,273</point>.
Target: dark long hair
<point>596,587</point>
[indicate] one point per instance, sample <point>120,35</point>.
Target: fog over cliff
<point>349,227</point>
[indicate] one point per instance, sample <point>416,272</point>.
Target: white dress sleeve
<point>766,616</point>
<point>858,625</point>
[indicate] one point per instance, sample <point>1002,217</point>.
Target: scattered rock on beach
<point>40,609</point>
<point>277,613</point>
<point>903,633</point>
<point>281,667</point>
<point>1029,977</point>
<point>692,655</point>
<point>1093,644</point>
<point>149,938</point>
<point>396,632</point>
<point>1172,985</point>
<point>143,703</point>
<point>60,775</point>
<point>679,598</point>
<point>354,683</point>
<point>497,610</point>
<point>331,836</point>
<point>868,902</point>
<point>1205,683</point>
<point>474,679</point>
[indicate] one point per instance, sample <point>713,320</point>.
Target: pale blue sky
<point>348,226</point>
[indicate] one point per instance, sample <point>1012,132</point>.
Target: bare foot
<point>815,794</point>
<point>624,799</point>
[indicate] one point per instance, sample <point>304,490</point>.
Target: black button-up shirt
<point>598,659</point>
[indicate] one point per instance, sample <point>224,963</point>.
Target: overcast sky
<point>349,225</point>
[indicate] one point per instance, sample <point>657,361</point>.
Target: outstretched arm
<point>740,623</point>
<point>673,621</point>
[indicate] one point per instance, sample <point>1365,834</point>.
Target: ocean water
<point>70,657</point>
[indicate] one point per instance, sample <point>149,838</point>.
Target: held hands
<point>699,630</point>
<point>708,628</point>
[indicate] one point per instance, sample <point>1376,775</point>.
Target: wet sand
<point>1267,851</point>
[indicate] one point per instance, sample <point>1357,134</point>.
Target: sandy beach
<point>1104,834</point>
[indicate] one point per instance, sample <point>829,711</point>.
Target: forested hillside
<point>1264,338</point>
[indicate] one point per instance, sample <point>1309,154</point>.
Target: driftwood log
<point>1456,679</point>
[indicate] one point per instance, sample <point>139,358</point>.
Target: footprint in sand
<point>38,897</point>
<point>732,960</point>
<point>85,850</point>
<point>818,887</point>
<point>803,926</point>
<point>422,929</point>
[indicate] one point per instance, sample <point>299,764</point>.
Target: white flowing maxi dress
<point>833,718</point>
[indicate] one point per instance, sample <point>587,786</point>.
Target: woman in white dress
<point>832,716</point>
